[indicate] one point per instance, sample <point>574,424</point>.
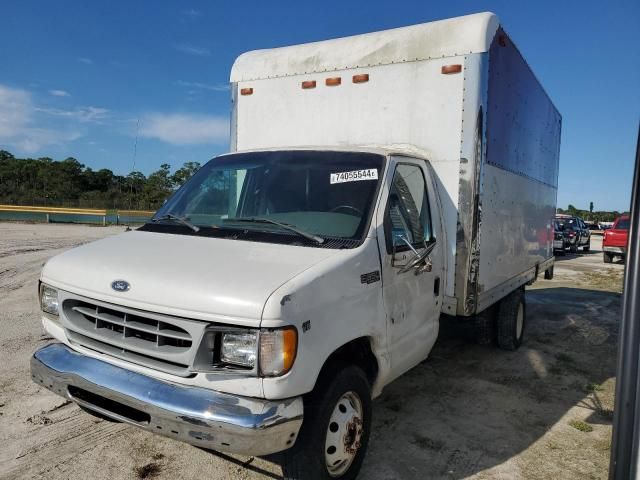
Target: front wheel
<point>335,432</point>
<point>607,257</point>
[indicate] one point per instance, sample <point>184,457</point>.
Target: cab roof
<point>442,38</point>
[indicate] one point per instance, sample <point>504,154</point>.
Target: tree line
<point>69,183</point>
<point>590,215</point>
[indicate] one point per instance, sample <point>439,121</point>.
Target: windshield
<point>323,195</point>
<point>623,224</point>
<point>568,224</point>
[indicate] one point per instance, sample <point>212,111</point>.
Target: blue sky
<point>79,78</point>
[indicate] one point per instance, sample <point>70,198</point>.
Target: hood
<point>197,277</point>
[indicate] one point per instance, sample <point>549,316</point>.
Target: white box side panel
<point>515,230</point>
<point>407,103</point>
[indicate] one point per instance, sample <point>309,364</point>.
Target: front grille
<point>157,341</point>
<point>124,326</point>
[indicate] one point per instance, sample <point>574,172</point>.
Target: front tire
<point>548,273</point>
<point>607,257</point>
<point>511,320</point>
<point>335,432</point>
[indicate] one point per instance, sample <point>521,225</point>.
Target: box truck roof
<point>443,38</point>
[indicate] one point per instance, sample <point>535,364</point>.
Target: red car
<point>615,239</point>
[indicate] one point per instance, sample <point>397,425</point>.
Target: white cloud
<point>17,124</point>
<point>59,93</point>
<point>82,114</point>
<point>216,87</point>
<point>85,60</point>
<point>184,128</point>
<point>192,50</point>
<point>192,13</point>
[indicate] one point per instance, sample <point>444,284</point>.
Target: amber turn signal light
<point>246,91</point>
<point>361,78</point>
<point>309,84</point>
<point>448,69</point>
<point>333,81</point>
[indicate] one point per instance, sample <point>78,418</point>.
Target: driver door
<point>412,280</point>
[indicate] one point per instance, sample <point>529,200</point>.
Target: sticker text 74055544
<point>354,176</point>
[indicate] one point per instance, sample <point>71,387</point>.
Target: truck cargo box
<point>458,92</point>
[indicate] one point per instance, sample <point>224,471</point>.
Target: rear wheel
<point>573,248</point>
<point>607,257</point>
<point>335,432</point>
<point>548,273</point>
<point>485,326</point>
<point>511,320</point>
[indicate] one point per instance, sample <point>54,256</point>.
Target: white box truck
<point>378,185</point>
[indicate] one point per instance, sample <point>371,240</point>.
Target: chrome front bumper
<point>198,416</point>
<point>618,250</point>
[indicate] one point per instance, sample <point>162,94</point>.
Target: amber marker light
<point>278,349</point>
<point>449,69</point>
<point>246,91</point>
<point>361,78</point>
<point>333,81</point>
<point>308,84</point>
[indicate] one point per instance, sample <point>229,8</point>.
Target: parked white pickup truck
<point>379,184</point>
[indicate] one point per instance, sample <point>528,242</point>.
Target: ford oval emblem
<point>120,285</point>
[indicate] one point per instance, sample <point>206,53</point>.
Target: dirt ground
<point>543,412</point>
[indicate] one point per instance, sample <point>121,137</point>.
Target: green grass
<point>593,387</point>
<point>580,425</point>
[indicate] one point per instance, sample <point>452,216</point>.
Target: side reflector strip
<point>309,84</point>
<point>362,78</point>
<point>246,91</point>
<point>333,81</point>
<point>448,69</point>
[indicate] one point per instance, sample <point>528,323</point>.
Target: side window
<point>408,208</point>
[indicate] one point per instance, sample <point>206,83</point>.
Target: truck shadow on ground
<point>469,408</point>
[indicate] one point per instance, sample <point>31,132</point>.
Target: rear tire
<point>485,326</point>
<point>573,248</point>
<point>548,273</point>
<point>607,257</point>
<point>511,320</point>
<point>341,401</point>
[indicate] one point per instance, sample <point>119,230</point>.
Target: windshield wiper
<point>177,219</point>
<point>286,226</point>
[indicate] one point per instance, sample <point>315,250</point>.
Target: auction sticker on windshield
<point>354,176</point>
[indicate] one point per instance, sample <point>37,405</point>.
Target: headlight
<point>240,349</point>
<point>48,299</point>
<point>222,350</point>
<point>277,351</point>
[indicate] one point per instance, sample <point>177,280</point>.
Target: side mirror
<point>400,259</point>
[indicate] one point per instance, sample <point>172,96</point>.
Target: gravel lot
<point>543,412</point>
